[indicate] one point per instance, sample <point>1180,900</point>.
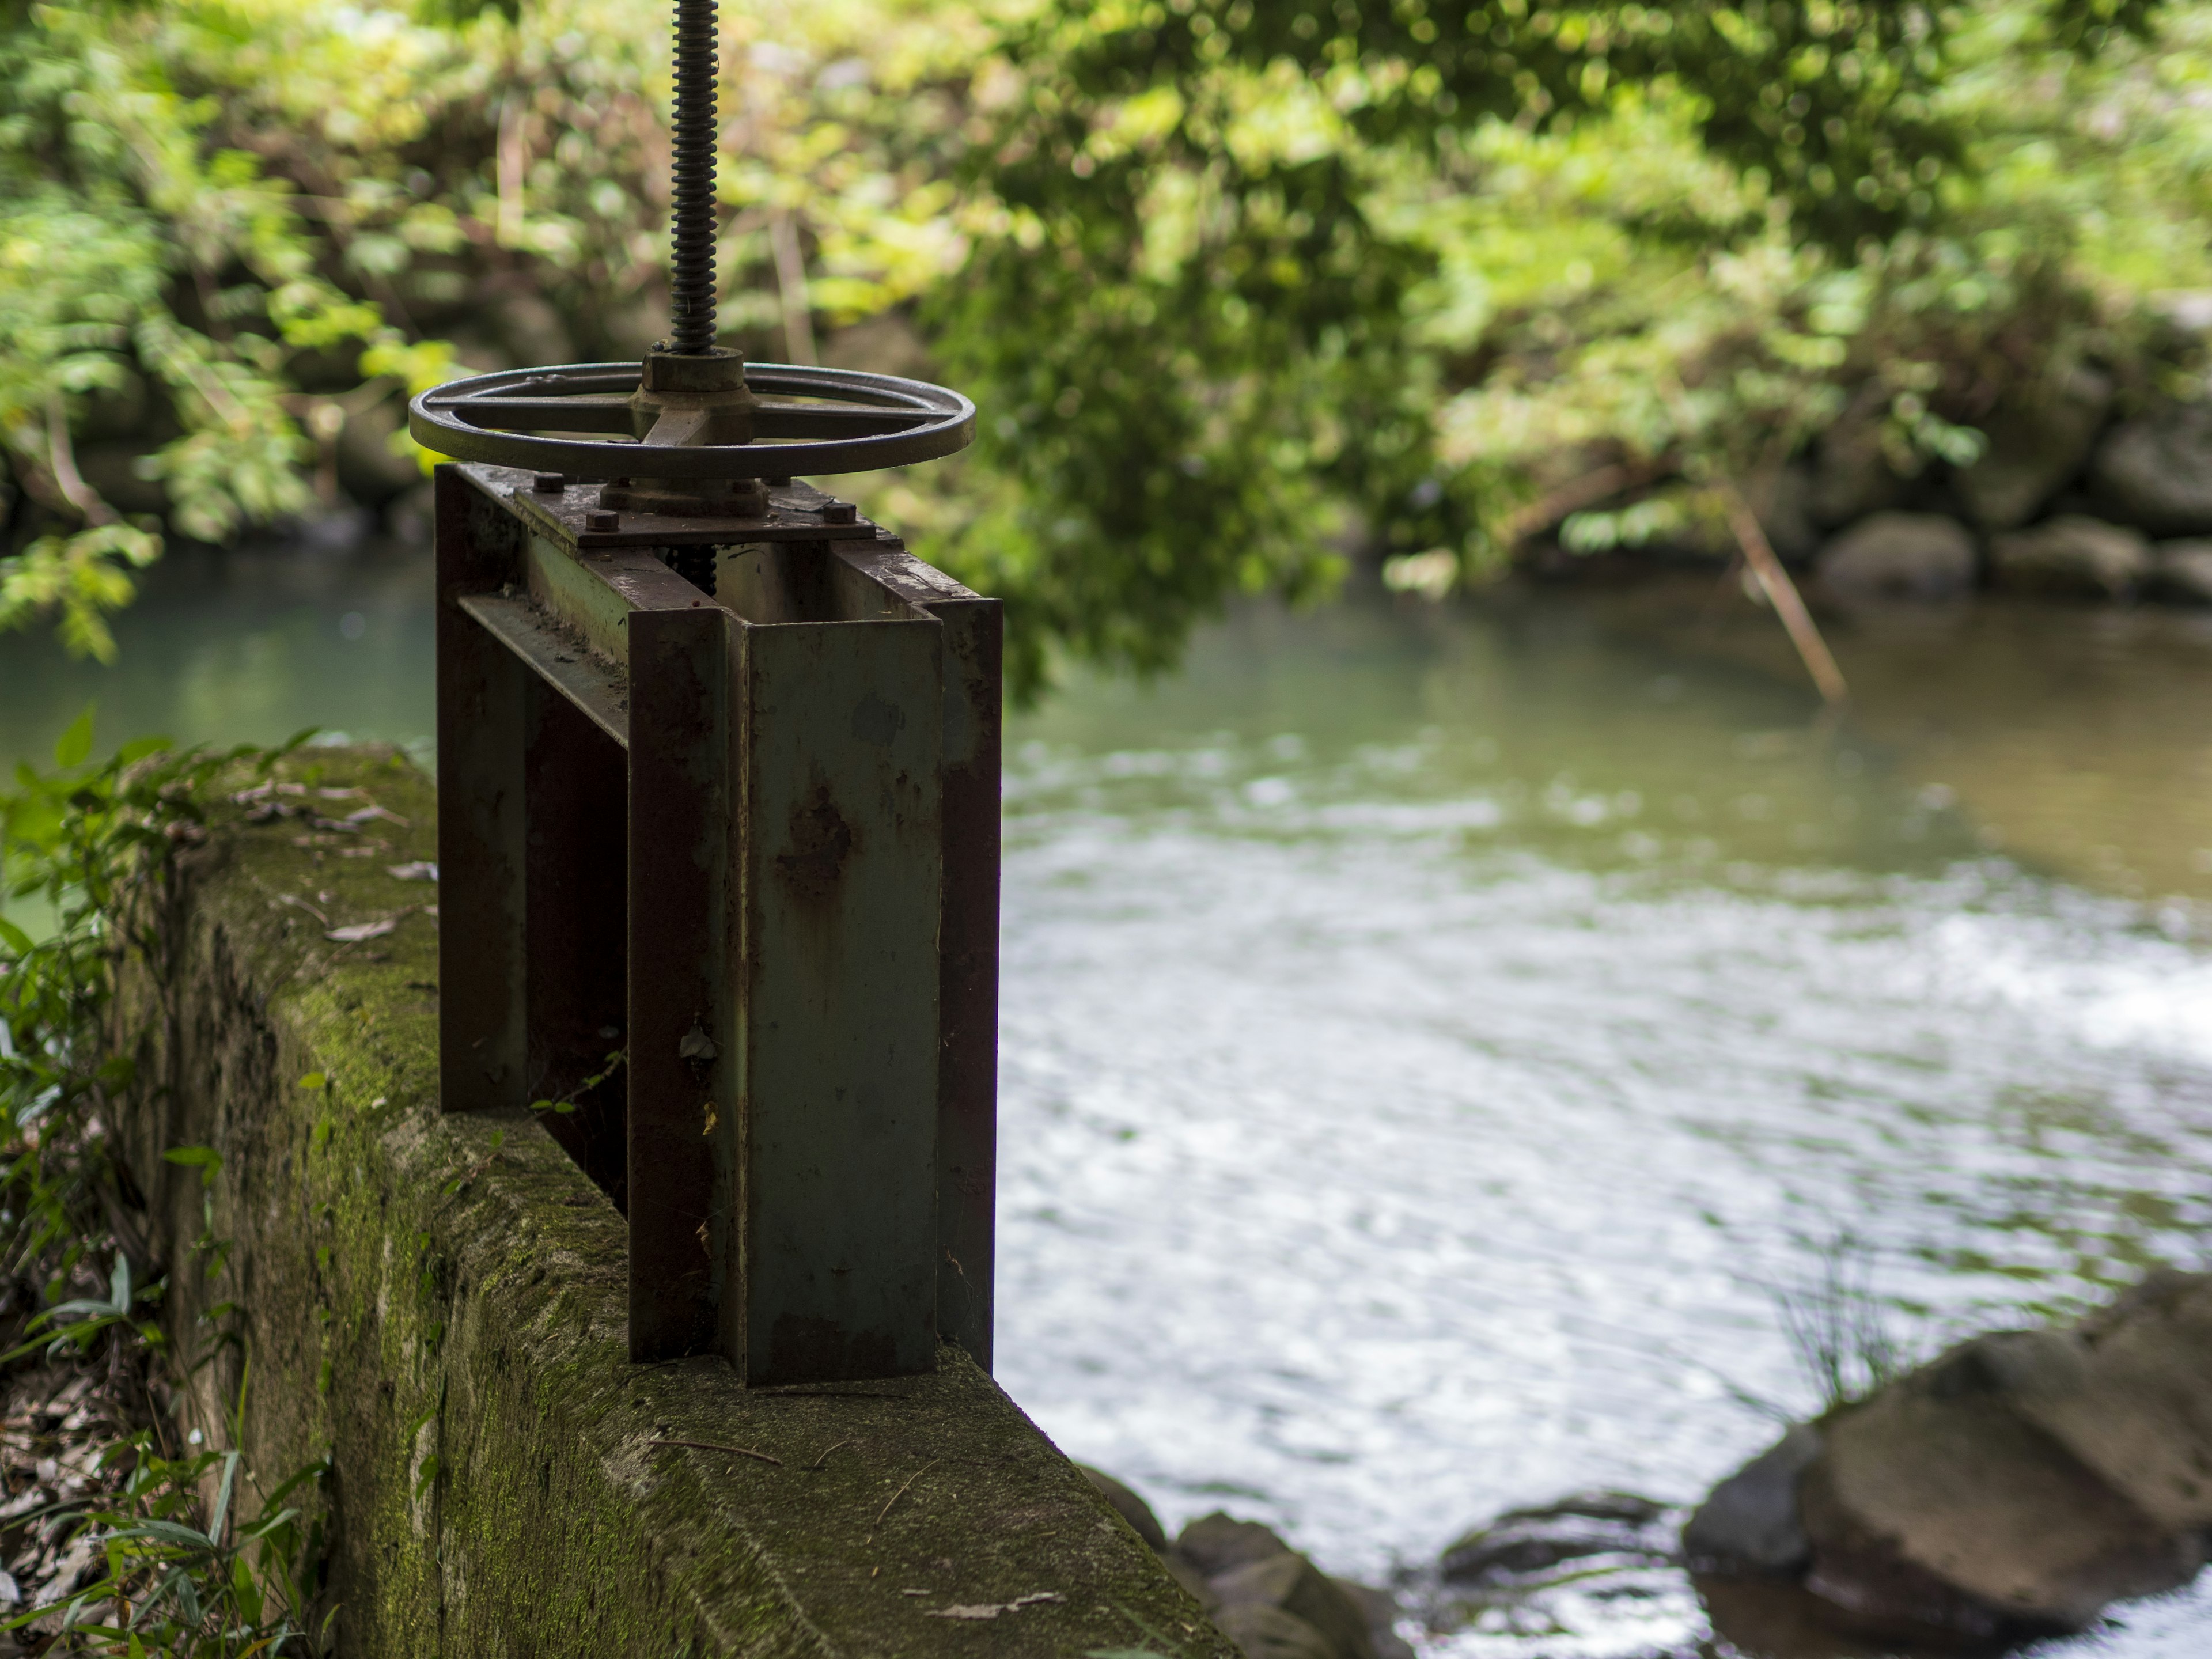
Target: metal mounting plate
<point>795,513</point>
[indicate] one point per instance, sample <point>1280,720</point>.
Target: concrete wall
<point>439,1302</point>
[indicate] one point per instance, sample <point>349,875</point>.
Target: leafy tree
<point>1242,239</point>
<point>1238,286</point>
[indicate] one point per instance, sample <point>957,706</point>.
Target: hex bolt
<point>601,518</point>
<point>549,483</point>
<point>840,513</point>
<point>777,484</point>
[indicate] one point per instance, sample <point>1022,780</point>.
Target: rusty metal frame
<point>756,837</point>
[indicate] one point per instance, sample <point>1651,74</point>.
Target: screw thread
<point>696,134</point>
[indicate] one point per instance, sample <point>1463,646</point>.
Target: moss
<point>440,1302</point>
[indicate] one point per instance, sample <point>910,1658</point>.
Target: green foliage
<point>228,1587</point>
<point>144,260</point>
<point>90,843</point>
<point>1239,287</point>
<point>1490,265</point>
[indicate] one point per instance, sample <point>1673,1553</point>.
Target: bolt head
<point>777,484</point>
<point>549,483</point>
<point>601,518</point>
<point>840,513</point>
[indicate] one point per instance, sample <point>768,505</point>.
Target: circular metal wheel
<point>809,421</point>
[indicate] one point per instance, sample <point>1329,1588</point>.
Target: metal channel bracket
<point>750,844</point>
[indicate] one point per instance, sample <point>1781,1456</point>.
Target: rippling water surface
<point>1432,1038</point>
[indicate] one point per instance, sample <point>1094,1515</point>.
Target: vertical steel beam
<point>575,902</point>
<point>680,1025</point>
<point>968,985</point>
<point>838,755</point>
<point>482,1045</point>
<point>968,926</point>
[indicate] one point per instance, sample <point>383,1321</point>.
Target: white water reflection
<point>1390,1138</point>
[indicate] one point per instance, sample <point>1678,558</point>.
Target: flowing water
<point>1434,1038</point>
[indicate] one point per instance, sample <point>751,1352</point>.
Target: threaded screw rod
<point>696,134</point>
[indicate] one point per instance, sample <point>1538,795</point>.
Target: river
<point>1435,1038</point>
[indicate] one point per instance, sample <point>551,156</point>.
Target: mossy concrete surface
<point>438,1302</point>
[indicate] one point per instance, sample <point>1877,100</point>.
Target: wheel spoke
<point>600,413</point>
<point>775,420</point>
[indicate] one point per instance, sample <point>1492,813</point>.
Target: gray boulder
<point>1947,1512</point>
<point>1291,1584</point>
<point>1851,475</point>
<point>1918,555</point>
<point>1379,1607</point>
<point>2037,444</point>
<point>1750,1523</point>
<point>1130,1507</point>
<point>1272,1602</point>
<point>2156,472</point>
<point>2128,1392</point>
<point>1526,1540</point>
<point>1261,1631</point>
<point>2025,1480</point>
<point>2183,572</point>
<point>1217,1542</point>
<point>2072,556</point>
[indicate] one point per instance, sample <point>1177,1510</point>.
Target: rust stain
<point>821,841</point>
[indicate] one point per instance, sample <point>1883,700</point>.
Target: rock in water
<point>1217,1542</point>
<point>1265,1633</point>
<point>2038,446</point>
<point>1379,1607</point>
<point>1130,1507</point>
<point>1750,1523</point>
<point>2024,1480</point>
<point>2156,472</point>
<point>1293,1585</point>
<point>2184,572</point>
<point>1953,1513</point>
<point>2128,1391</point>
<point>1917,555</point>
<point>2072,555</point>
<point>1526,1540</point>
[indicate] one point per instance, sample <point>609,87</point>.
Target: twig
<point>1573,496</point>
<point>900,1493</point>
<point>295,900</point>
<point>826,1450</point>
<point>710,1445</point>
<point>791,287</point>
<point>1782,593</point>
<point>63,460</point>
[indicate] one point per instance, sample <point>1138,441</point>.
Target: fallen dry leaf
<point>363,930</point>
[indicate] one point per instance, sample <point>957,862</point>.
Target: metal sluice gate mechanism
<point>718,826</point>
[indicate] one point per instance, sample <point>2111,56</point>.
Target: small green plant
<point>1839,1328</point>
<point>567,1103</point>
<point>87,849</point>
<point>228,1588</point>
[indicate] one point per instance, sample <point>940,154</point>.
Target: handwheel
<point>812,421</point>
